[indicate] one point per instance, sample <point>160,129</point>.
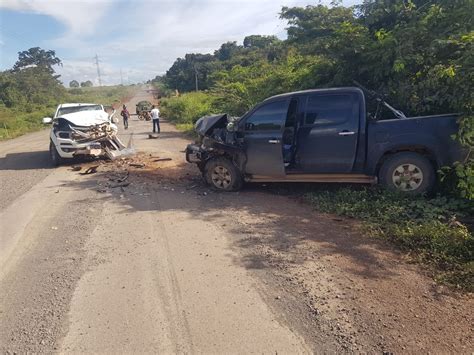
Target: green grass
<point>14,123</point>
<point>187,128</point>
<point>185,110</point>
<point>435,231</point>
<point>18,120</point>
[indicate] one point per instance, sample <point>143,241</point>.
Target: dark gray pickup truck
<point>324,135</point>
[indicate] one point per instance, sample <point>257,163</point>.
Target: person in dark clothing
<point>125,114</point>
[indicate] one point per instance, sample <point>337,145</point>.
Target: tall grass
<point>185,110</point>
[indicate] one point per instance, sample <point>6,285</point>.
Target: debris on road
<point>91,170</point>
<point>141,165</point>
<point>152,136</point>
<point>119,184</point>
<point>141,171</point>
<point>76,168</point>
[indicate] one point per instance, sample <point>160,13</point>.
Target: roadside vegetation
<point>418,54</point>
<point>31,90</point>
<point>438,231</point>
<point>185,110</point>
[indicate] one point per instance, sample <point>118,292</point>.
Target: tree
<point>87,84</point>
<point>37,57</point>
<point>260,41</point>
<point>73,84</point>
<point>226,51</point>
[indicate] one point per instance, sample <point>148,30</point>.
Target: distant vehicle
<point>81,129</point>
<point>324,135</point>
<point>143,109</point>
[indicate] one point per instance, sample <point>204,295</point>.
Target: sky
<point>135,40</point>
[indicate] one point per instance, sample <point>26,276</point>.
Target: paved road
<point>165,265</point>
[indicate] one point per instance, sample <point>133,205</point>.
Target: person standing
<point>155,118</point>
<point>125,114</point>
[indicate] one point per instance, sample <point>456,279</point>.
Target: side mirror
<point>108,108</point>
<point>47,120</point>
<point>231,127</point>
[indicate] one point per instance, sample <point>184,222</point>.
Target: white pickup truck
<point>83,129</point>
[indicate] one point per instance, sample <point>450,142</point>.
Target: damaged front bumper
<point>95,141</point>
<point>195,154</point>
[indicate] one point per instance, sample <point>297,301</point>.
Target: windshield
<point>72,109</point>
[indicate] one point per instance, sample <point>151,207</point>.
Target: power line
<point>98,68</point>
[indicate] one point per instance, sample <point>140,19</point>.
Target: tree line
<point>417,53</point>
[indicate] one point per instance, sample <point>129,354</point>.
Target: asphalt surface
<point>165,265</point>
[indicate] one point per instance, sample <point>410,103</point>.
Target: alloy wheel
<point>407,177</point>
<point>221,178</point>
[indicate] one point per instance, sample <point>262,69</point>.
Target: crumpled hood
<point>206,124</point>
<point>87,118</point>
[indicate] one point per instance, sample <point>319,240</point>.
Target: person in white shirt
<point>155,118</point>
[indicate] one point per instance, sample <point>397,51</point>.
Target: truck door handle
<point>346,133</point>
<point>274,141</point>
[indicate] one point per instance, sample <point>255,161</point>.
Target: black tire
<point>54,155</point>
<point>221,174</point>
<point>408,172</point>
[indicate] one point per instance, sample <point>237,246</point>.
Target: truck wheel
<point>54,155</point>
<point>407,172</point>
<point>222,174</point>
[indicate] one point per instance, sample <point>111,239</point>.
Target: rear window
<point>329,109</point>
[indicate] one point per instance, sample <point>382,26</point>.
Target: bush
<point>435,231</point>
<point>188,108</point>
<point>14,123</point>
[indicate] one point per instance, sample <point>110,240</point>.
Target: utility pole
<point>121,77</point>
<point>98,68</point>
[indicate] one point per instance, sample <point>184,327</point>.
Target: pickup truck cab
<point>324,135</point>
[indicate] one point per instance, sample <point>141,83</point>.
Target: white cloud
<point>79,16</point>
<point>150,35</point>
<point>111,74</point>
<point>144,37</point>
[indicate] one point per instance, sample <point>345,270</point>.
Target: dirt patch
<point>356,289</point>
<point>332,284</point>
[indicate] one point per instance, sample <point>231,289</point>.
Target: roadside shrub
<point>188,108</point>
<point>16,122</point>
<point>437,231</point>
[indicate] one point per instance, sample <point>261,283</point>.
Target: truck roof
<point>328,90</point>
<point>76,104</point>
